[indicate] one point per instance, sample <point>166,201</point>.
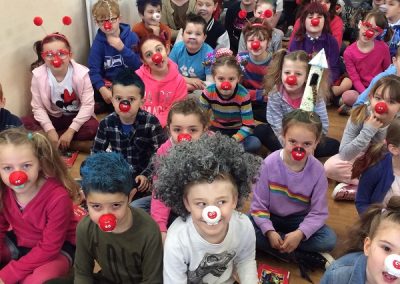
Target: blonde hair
<point>101,10</point>
<point>50,161</point>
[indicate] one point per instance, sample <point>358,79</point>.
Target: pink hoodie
<point>161,94</point>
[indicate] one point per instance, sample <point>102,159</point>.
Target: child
<point>7,119</point>
<point>124,241</point>
<point>62,96</point>
<point>112,49</point>
<point>314,35</point>
<point>133,132</point>
<point>379,168</point>
<point>36,220</point>
<point>164,84</point>
<point>191,52</point>
<point>367,125</point>
<point>150,12</point>
<point>229,101</point>
<point>257,35</point>
<point>393,17</point>
<point>366,57</point>
<point>204,182</point>
<point>373,242</point>
<point>285,84</point>
<point>234,23</point>
<point>276,38</point>
<point>174,13</point>
<point>185,118</point>
<point>289,206</point>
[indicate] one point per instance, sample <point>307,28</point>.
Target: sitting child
<point>191,52</point>
<point>204,182</point>
<point>124,241</point>
<point>7,119</point>
<point>150,12</point>
<point>133,132</point>
<point>113,49</point>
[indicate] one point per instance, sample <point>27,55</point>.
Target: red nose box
<point>184,137</point>
<point>381,108</point>
<point>315,22</point>
<point>369,34</point>
<point>255,45</point>
<point>157,58</point>
<point>226,86</point>
<point>298,153</point>
<point>291,80</point>
<point>107,25</point>
<point>107,222</point>
<point>56,62</point>
<point>18,178</point>
<point>242,14</point>
<point>211,215</point>
<point>392,265</point>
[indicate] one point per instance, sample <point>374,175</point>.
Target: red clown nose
<point>107,25</point>
<point>255,45</point>
<point>107,222</point>
<point>157,58</point>
<point>291,80</point>
<point>267,14</point>
<point>38,21</point>
<point>124,106</point>
<point>184,137</point>
<point>298,153</point>
<point>381,108</point>
<point>56,62</point>
<point>369,34</point>
<point>226,86</point>
<point>315,22</point>
<point>18,178</point>
<point>242,14</point>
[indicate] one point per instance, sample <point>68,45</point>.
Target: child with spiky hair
<point>204,182</point>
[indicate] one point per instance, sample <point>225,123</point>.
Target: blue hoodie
<point>105,61</point>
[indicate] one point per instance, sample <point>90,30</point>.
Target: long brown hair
<point>50,161</point>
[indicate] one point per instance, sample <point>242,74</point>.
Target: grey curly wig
<point>211,157</point>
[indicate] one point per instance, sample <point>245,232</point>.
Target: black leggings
<point>327,146</point>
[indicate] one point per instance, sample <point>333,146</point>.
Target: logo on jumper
<point>68,102</point>
<point>113,61</point>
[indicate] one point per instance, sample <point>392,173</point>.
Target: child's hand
<point>116,42</point>
<point>196,83</point>
<point>275,240</point>
<point>53,137</point>
<point>291,241</point>
<point>156,29</point>
<point>143,183</point>
<point>66,138</point>
<point>373,122</point>
<point>163,237</point>
<point>106,94</point>
<point>2,102</point>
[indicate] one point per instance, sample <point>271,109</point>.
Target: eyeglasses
<point>50,54</point>
<point>368,25</point>
<point>112,20</point>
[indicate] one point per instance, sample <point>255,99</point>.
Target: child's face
<point>188,124</point>
<point>148,18</point>
<point>151,47</point>
<point>19,158</point>
<point>193,37</point>
<point>205,8</point>
<point>220,193</point>
<point>261,50</point>
<point>100,203</point>
<point>393,106</point>
<point>325,3</point>
<point>56,56</point>
<point>224,74</point>
<point>385,242</point>
<point>392,11</point>
<point>294,68</point>
<point>314,30</point>
<point>396,63</point>
<point>126,94</point>
<point>263,7</point>
<point>368,25</point>
<point>113,22</point>
<point>248,2</point>
<point>300,135</point>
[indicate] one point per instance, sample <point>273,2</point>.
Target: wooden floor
<point>341,214</point>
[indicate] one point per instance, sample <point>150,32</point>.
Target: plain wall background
<point>18,33</point>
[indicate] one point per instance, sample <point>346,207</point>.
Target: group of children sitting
<point>192,162</point>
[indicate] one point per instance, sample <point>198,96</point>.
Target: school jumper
<point>8,120</point>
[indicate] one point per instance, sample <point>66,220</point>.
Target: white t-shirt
<point>62,94</point>
<point>393,191</point>
<point>188,258</point>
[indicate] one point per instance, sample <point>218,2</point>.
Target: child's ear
<point>359,24</point>
<point>132,194</point>
<point>394,150</point>
<point>185,202</point>
<point>367,245</point>
<point>394,59</point>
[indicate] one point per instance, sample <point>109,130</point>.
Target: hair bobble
<point>212,56</point>
<point>30,136</point>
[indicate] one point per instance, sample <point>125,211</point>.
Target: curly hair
<point>107,173</point>
<point>210,158</point>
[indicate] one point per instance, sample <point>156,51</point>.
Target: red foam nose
<point>18,178</point>
<point>242,14</point>
<point>184,137</point>
<point>212,214</point>
<point>56,62</point>
<point>291,80</point>
<point>124,106</point>
<point>267,14</point>
<point>315,22</point>
<point>298,153</point>
<point>107,222</point>
<point>381,108</point>
<point>369,33</point>
<point>226,86</point>
<point>255,45</point>
<point>107,25</point>
<point>157,58</point>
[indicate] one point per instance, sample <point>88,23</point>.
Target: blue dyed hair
<point>107,173</point>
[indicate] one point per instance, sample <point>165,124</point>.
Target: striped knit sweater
<point>234,112</point>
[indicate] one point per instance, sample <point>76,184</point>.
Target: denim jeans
<point>250,144</point>
<point>143,203</point>
<point>323,240</point>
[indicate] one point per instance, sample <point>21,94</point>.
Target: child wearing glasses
<point>62,96</point>
<point>113,49</point>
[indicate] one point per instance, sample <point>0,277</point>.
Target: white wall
<point>18,33</point>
